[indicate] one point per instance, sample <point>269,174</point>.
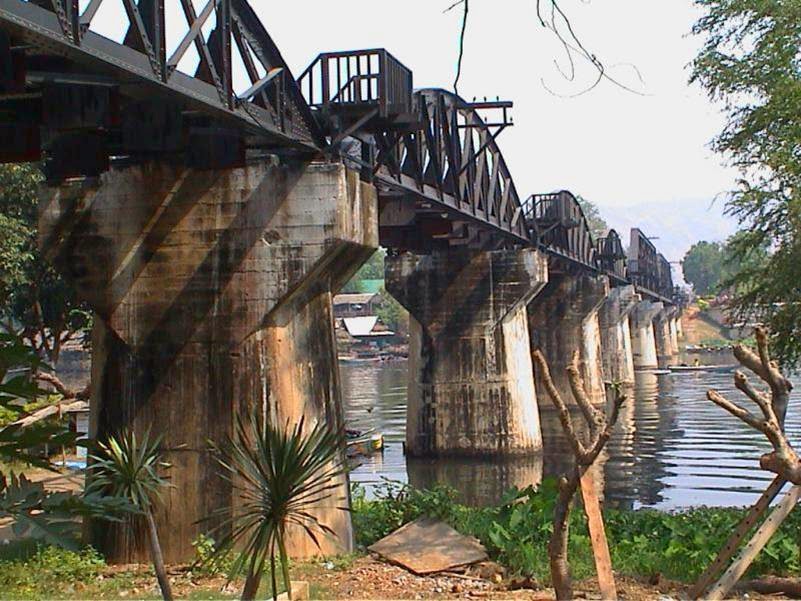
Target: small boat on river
<point>365,443</point>
<point>696,368</point>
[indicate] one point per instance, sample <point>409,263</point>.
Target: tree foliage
<point>35,302</point>
<point>373,269</point>
<point>596,223</point>
<point>703,267</point>
<point>35,511</point>
<point>128,468</point>
<point>749,63</point>
<point>391,313</point>
<point>714,267</point>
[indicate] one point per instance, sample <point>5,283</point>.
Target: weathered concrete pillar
<point>212,292</point>
<point>613,316</point>
<point>666,351</point>
<point>643,344</point>
<point>471,390</point>
<point>674,331</point>
<point>562,319</point>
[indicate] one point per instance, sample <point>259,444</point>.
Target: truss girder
<point>452,162</point>
<point>277,115</point>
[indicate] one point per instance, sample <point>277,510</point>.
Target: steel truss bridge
<point>85,84</point>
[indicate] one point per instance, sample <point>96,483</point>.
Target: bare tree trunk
<point>557,546</point>
<point>771,585</point>
<point>253,580</point>
<point>783,460</point>
<point>285,564</point>
<point>272,573</point>
<point>600,430</point>
<point>158,558</point>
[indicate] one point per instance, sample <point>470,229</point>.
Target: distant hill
<point>678,224</point>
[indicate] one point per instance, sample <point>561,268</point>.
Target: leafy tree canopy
<point>373,269</point>
<point>712,267</point>
<point>749,63</point>
<point>703,267</point>
<point>596,223</point>
<point>35,301</point>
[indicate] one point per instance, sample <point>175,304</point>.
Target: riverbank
<point>58,574</point>
<point>654,554</point>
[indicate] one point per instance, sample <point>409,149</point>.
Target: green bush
<point>645,542</point>
<point>28,570</point>
<point>205,550</point>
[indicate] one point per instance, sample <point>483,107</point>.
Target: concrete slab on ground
<point>427,546</point>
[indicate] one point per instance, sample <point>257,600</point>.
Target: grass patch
<point>29,571</point>
<point>678,545</point>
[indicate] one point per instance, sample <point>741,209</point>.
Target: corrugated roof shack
<point>356,305</point>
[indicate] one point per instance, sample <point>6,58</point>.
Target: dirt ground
<point>696,329</point>
<point>369,578</point>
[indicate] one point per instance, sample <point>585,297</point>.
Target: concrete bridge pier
<point>471,387</point>
<point>667,345</point>
<point>643,342</point>
<point>674,325</point>
<point>618,360</point>
<point>563,318</point>
<point>212,293</point>
<point>679,327</point>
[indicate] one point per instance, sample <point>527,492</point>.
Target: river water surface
<point>672,447</point>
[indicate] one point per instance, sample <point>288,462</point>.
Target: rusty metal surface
<point>563,227</point>
<point>434,157</point>
<point>648,270</point>
<point>57,32</point>
<point>450,167</point>
<point>611,255</point>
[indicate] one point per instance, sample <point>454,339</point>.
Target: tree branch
<point>561,408</point>
<point>601,428</point>
<point>783,461</point>
<point>737,411</point>
<point>461,44</point>
<point>591,414</point>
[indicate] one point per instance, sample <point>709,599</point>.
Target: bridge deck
<point>434,157</point>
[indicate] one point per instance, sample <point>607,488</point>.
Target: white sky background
<point>643,159</point>
<point>614,147</point>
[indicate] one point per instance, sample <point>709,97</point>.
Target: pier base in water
<point>471,389</point>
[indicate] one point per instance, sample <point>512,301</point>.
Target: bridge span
<point>207,205</point>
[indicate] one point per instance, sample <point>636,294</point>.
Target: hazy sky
<point>614,147</point>
<point>638,157</point>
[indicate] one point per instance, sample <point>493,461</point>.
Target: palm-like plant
<point>128,467</point>
<point>279,474</point>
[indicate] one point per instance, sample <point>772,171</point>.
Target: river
<point>672,448</point>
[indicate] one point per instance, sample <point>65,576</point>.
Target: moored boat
<point>364,443</point>
<point>694,368</point>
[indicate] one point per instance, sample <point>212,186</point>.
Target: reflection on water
<point>672,447</point>
<point>479,481</point>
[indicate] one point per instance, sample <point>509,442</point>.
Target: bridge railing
<point>561,225</point>
<point>357,78</point>
<point>611,255</point>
